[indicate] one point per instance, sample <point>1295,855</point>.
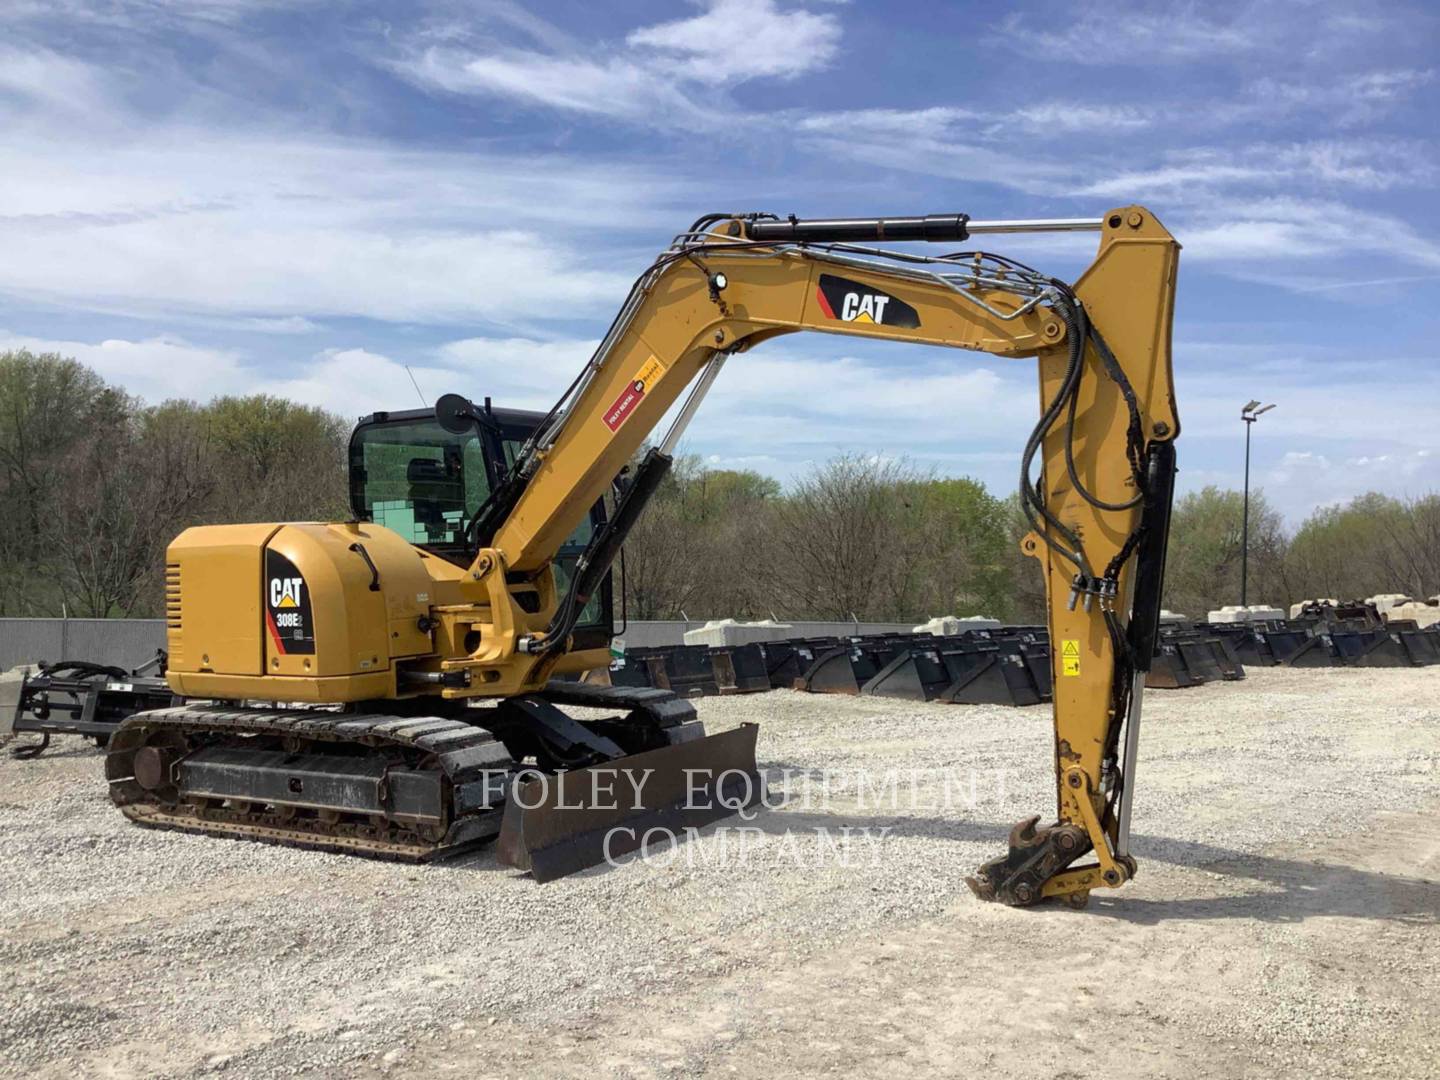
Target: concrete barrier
<point>723,632</point>
<point>129,642</point>
<point>1234,613</point>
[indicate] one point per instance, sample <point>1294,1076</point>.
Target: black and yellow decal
<point>850,301</point>
<point>287,607</point>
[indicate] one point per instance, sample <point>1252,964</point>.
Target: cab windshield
<point>415,478</point>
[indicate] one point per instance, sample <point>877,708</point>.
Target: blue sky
<point>201,197</point>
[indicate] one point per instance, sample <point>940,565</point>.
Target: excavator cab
<point>416,478</point>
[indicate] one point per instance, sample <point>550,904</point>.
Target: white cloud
<point>734,40</point>
<point>1365,164</point>
<point>1070,117</point>
<point>1287,228</point>
<point>1109,33</point>
<point>155,368</point>
<point>353,381</point>
<point>52,80</point>
<point>614,88</point>
<point>145,13</point>
<point>1346,100</point>
<point>963,123</point>
<point>286,229</point>
<point>662,78</point>
<point>1304,479</point>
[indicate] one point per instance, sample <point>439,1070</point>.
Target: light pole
<point>1250,413</point>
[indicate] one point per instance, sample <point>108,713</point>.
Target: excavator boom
<point>496,620</point>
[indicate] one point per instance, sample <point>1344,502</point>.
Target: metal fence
<point>123,642</point>
<point>130,642</point>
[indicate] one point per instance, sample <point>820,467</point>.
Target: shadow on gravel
<point>70,748</point>
<point>1298,890</point>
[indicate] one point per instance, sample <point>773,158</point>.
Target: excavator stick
<point>561,823</point>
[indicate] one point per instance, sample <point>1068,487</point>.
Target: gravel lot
<point>1286,918</point>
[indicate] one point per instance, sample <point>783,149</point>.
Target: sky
<point>304,197</point>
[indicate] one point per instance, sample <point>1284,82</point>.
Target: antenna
<point>415,384</point>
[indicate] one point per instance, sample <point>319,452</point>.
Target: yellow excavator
<point>396,685</point>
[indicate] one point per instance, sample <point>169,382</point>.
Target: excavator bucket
<point>739,669</point>
<point>997,678</point>
<point>1384,649</point>
<point>564,822</point>
<point>914,675</point>
<point>1423,648</point>
<point>1316,652</point>
<point>833,672</point>
<point>1168,670</point>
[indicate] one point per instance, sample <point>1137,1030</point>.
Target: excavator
<point>401,684</point>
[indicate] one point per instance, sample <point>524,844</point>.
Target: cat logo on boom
<point>851,301</point>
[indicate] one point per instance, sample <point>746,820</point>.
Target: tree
<point>695,547</point>
<point>1373,544</point>
<point>51,409</point>
<point>96,483</point>
<point>276,460</point>
<point>1202,567</point>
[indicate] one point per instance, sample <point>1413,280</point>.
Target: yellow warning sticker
<point>1070,657</point>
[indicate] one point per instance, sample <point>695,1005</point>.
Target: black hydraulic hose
<point>1154,534</point>
<point>1093,500</point>
<point>1031,498</point>
<point>604,546</point>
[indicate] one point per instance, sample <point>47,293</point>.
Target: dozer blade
<point>562,823</point>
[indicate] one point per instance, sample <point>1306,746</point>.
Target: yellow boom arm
<point>1100,506</point>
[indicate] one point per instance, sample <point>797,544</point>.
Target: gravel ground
<point>1284,919</point>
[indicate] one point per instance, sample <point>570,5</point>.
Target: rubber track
<point>448,740</point>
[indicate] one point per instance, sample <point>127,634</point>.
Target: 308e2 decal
<point>851,301</point>
<point>287,607</point>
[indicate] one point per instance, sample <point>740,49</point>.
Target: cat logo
<point>286,592</point>
<point>288,618</point>
<point>850,301</point>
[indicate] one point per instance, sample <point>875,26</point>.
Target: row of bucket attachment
<point>1333,636</point>
<point>1009,666</point>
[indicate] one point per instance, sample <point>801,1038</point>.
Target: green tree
<point>276,460</point>
<point>1202,567</point>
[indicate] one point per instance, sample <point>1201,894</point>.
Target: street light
<point>1250,413</point>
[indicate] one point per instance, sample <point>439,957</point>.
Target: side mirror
<point>456,414</point>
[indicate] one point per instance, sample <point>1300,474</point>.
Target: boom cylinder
<point>938,228</point>
<point>934,228</point>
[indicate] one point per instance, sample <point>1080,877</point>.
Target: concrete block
<point>1426,614</point>
<point>950,625</point>
<point>1385,601</point>
<point>1234,613</point>
<point>1171,617</point>
<point>723,632</point>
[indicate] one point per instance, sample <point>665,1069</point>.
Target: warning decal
<point>1070,657</point>
<point>633,393</point>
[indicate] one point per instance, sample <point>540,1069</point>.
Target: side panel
<point>213,594</point>
<point>302,612</point>
<point>349,597</point>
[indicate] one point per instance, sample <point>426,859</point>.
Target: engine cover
<point>297,612</point>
